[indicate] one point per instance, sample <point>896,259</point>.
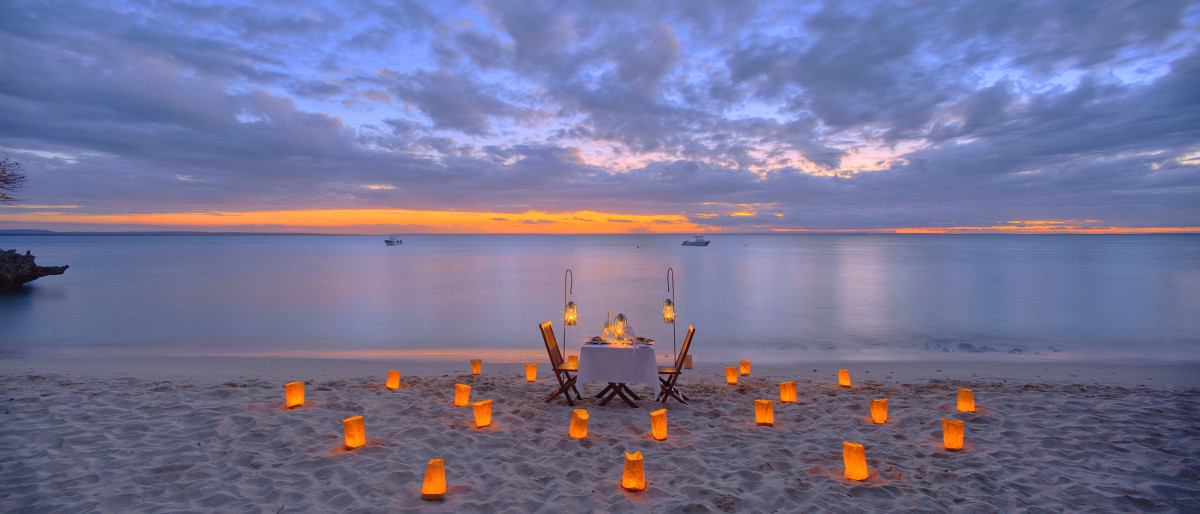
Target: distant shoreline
<point>38,232</point>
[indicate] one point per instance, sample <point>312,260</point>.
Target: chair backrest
<point>556,358</point>
<point>687,343</point>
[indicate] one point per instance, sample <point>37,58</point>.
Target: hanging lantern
<point>633,477</point>
<point>570,314</point>
<point>731,375</point>
<point>764,413</point>
<point>787,392</point>
<point>531,372</point>
<point>483,413</point>
<point>355,434</point>
<point>462,395</point>
<point>844,377</point>
<point>745,367</point>
<point>434,487</point>
<point>293,393</point>
<point>476,366</point>
<point>658,424</point>
<point>573,360</point>
<point>855,459</point>
<point>579,421</point>
<point>687,362</point>
<point>879,411</point>
<point>393,380</point>
<point>966,400</point>
<point>668,311</point>
<point>952,434</point>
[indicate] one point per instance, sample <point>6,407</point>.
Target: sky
<point>701,116</point>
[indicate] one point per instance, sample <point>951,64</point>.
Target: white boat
<point>392,241</point>
<point>700,241</point>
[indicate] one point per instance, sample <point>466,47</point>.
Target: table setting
<point>619,357</point>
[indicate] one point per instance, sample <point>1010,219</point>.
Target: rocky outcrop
<point>17,269</point>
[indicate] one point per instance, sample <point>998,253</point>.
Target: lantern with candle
<point>658,424</point>
<point>745,367</point>
<point>476,366</point>
<point>579,423</point>
<point>966,400</point>
<point>952,434</point>
<point>355,433</point>
<point>573,361</point>
<point>620,323</point>
<point>633,477</point>
<point>531,372</point>
<point>570,314</point>
<point>483,413</point>
<point>293,394</point>
<point>731,375</point>
<point>855,459</point>
<point>879,411</point>
<point>687,362</point>
<point>787,392</point>
<point>462,395</point>
<point>570,311</point>
<point>668,313</point>
<point>764,413</point>
<point>844,377</point>
<point>393,380</point>
<point>434,486</point>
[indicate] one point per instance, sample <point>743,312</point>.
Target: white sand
<point>210,434</point>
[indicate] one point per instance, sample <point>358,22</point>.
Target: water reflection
<point>784,297</point>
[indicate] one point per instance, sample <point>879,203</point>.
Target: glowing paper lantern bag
<point>434,486</point>
<point>658,424</point>
<point>787,392</point>
<point>462,395</point>
<point>579,424</point>
<point>855,459</point>
<point>355,432</point>
<point>633,477</point>
<point>879,411</point>
<point>293,394</point>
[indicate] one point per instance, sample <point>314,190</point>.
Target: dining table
<point>618,364</point>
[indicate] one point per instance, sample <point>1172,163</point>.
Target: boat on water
<point>392,241</point>
<point>699,241</point>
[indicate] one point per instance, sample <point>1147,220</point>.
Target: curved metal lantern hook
<point>671,290</point>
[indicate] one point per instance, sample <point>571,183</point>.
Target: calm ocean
<point>784,297</point>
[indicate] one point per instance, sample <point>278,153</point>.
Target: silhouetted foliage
<point>11,180</point>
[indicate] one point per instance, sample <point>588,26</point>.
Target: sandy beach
<point>211,434</point>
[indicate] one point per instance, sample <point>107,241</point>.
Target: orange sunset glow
<point>368,220</point>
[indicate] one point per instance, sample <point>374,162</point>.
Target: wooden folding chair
<point>667,385</point>
<point>562,370</point>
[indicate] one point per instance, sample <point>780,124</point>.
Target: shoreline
<point>1154,374</point>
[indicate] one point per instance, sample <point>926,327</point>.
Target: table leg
<point>620,390</point>
<point>606,389</point>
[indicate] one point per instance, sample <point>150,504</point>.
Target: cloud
<point>838,115</point>
<point>454,101</point>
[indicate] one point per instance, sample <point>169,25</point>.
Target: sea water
<point>779,297</point>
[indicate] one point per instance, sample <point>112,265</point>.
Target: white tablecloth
<point>617,364</point>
